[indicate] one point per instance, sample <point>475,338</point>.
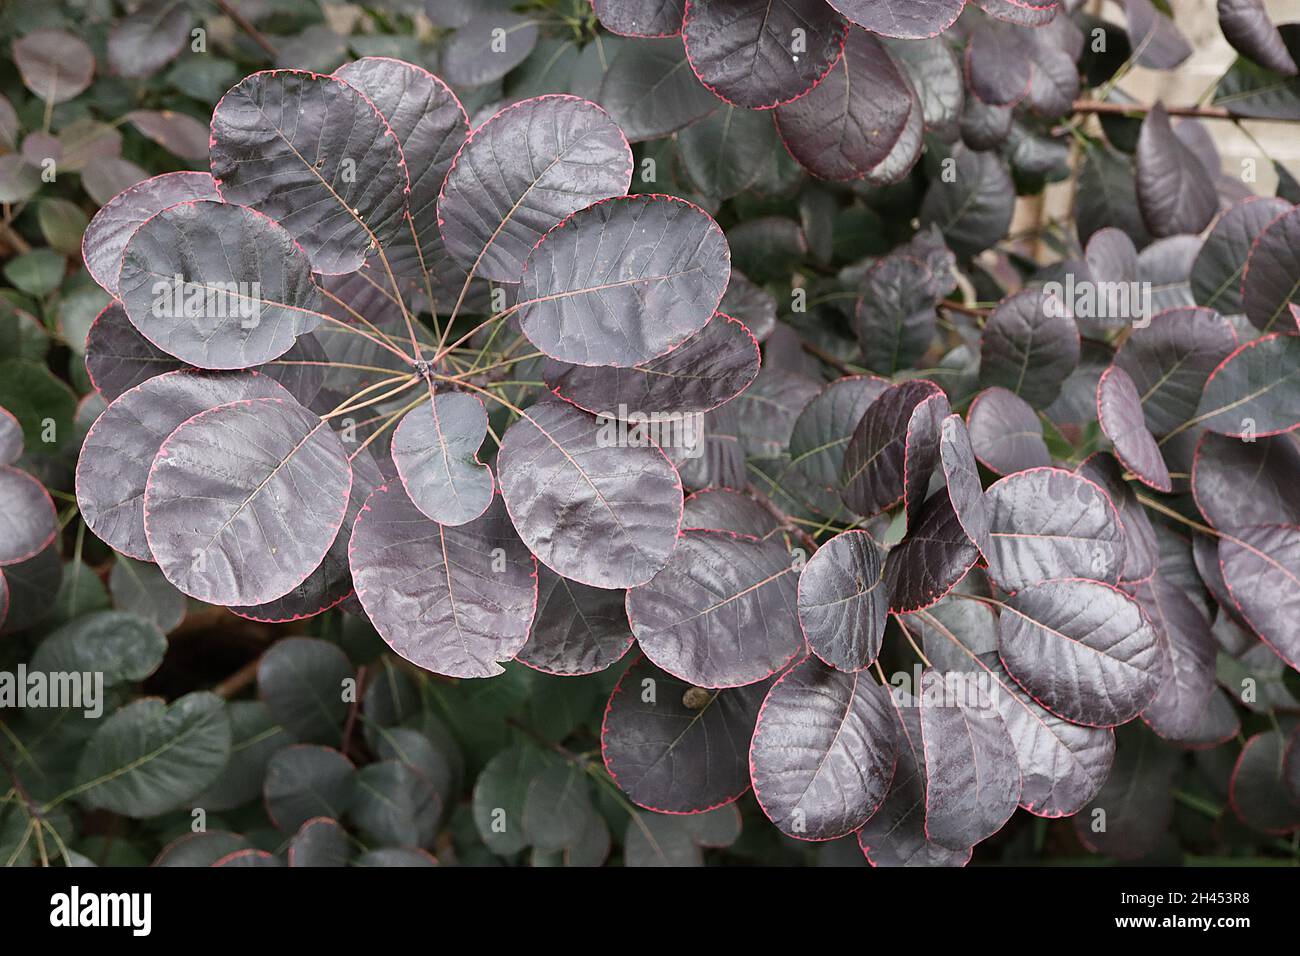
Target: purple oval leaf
<point>1270,295</point>
<point>1261,567</point>
<point>842,601</point>
<point>1030,346</point>
<point>54,64</point>
<point>1246,26</point>
<point>435,449</point>
<point>894,449</point>
<point>118,357</point>
<point>824,427</point>
<point>1255,391</point>
<point>931,559</point>
<point>488,46</point>
<point>724,509</point>
<point>640,18</point>
<point>965,491</point>
<point>1119,410</point>
<point>1238,483</point>
<point>28,519</point>
<point>906,19</point>
<point>1174,189</point>
<point>577,629</point>
<point>1005,433</point>
<point>1141,550</point>
<point>1183,696</point>
<point>1216,274</point>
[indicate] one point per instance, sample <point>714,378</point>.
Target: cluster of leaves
<point>382,378</point>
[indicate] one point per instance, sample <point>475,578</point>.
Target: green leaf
<point>120,646</point>
<point>37,273</point>
<point>43,405</point>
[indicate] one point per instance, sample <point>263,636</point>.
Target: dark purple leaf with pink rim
<point>843,602</point>
<point>1005,433</point>
<point>974,206</point>
<point>121,445</point>
<point>973,781</point>
<point>1082,649</point>
<point>640,18</point>
<point>725,509</point>
<point>1180,703</point>
<point>439,595</point>
<point>1238,483</point>
<point>965,491</point>
<point>1245,24</point>
<point>723,611</point>
<point>823,752</point>
<point>591,511</point>
<point>106,236</point>
<point>1261,567</point>
<point>1141,551</point>
<point>675,748</point>
<point>1270,292</point>
<point>742,51</point>
<point>1048,523</point>
<point>1029,347</point>
<point>577,629</point>
<point>1258,793</point>
<point>224,311</point>
<point>894,449</point>
<point>435,449</point>
<point>998,71</point>
<point>28,519</point>
<point>1154,38</point>
<point>244,500</point>
<point>118,357</point>
<point>711,367</point>
<point>589,298</point>
<point>1174,189</point>
<point>1026,13</point>
<point>932,559</point>
<point>1255,391</point>
<point>824,427</point>
<point>1219,266</point>
<point>264,129</point>
<point>1119,409</point>
<point>895,319</point>
<point>906,19</point>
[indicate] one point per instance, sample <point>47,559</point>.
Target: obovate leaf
<point>1261,567</point>
<point>1255,390</point>
<point>118,357</point>
<point>306,781</point>
<point>121,647</point>
<point>28,519</point>
<point>1174,189</point>
<point>301,680</point>
<point>1141,550</point>
<point>908,19</point>
<point>824,427</point>
<point>1119,410</point>
<point>435,449</point>
<point>640,18</point>
<point>320,842</point>
<point>1238,483</point>
<point>54,64</point>
<point>843,602</point>
<point>1005,434</point>
<point>578,629</point>
<point>1217,273</point>
<point>974,208</point>
<point>1030,346</point>
<point>823,752</point>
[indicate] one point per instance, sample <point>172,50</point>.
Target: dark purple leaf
<point>435,449</point>
<point>1048,523</point>
<point>1217,272</point>
<point>640,18</point>
<point>244,500</point>
<point>908,19</point>
<point>28,520</point>
<point>592,297</point>
<point>488,46</point>
<point>1255,391</point>
<point>843,602</point>
<point>1246,26</point>
<point>577,629</point>
<point>973,781</point>
<point>724,509</point>
<point>823,752</point>
<point>895,318</point>
<point>675,748</point>
<point>852,120</point>
<point>998,71</point>
<point>349,196</point>
<point>1082,649</point>
<point>965,491</point>
<point>121,445</point>
<point>189,296</point>
<point>973,208</point>
<point>54,64</point>
<point>1155,40</point>
<point>894,449</point>
<point>1030,346</point>
<point>1026,13</point>
<point>1170,359</point>
<point>1005,434</point>
<point>1270,293</point>
<point>751,304</point>
<point>454,600</point>
<point>527,168</point>
<point>983,126</point>
<point>931,560</point>
<point>743,51</point>
<point>1180,703</point>
<point>722,613</point>
<point>1131,813</point>
<point>118,357</point>
<point>1259,794</point>
<point>768,409</point>
<point>105,238</point>
<point>826,424</point>
<point>1174,189</point>
<point>600,514</point>
<point>1261,567</point>
<point>1119,410</point>
<point>1141,551</point>
<point>650,91</point>
<point>1238,483</point>
<point>711,367</point>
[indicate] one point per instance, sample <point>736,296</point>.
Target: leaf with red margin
<point>850,123</point>
<point>1256,389</point>
<point>1170,359</point>
<point>1030,346</point>
<point>1082,649</point>
<point>957,456</point>
<point>591,511</point>
<point>1238,483</point>
<point>640,18</point>
<point>11,437</point>
<point>1155,39</point>
<point>320,842</point>
<point>435,449</point>
<point>725,509</point>
<point>1005,433</point>
<point>118,357</point>
<point>905,19</point>
<point>1261,567</point>
<point>1026,14</point>
<point>823,752</point>
<point>996,67</point>
<point>244,500</point>
<point>895,318</point>
<point>931,560</point>
<point>1180,703</point>
<point>895,834</point>
<point>1141,551</point>
<point>28,518</point>
<point>741,50</point>
<point>336,202</point>
<point>253,305</point>
<point>650,91</point>
<point>430,125</point>
<point>203,848</point>
<point>973,781</point>
<point>527,168</point>
<point>722,613</point>
<point>1258,790</point>
<point>894,449</point>
<point>1131,813</point>
<point>1062,765</point>
<point>592,296</point>
<point>1245,24</point>
<point>1217,272</point>
<point>710,368</point>
<point>826,424</point>
<point>1270,291</point>
<point>671,752</point>
<point>1119,410</point>
<point>121,445</point>
<point>843,602</point>
<point>1174,191</point>
<point>1048,523</point>
<point>577,629</point>
<point>105,238</point>
<point>434,593</point>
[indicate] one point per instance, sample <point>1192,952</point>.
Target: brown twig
<point>1121,109</point>
<point>963,308</point>
<point>240,679</point>
<point>242,22</point>
<point>827,357</point>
